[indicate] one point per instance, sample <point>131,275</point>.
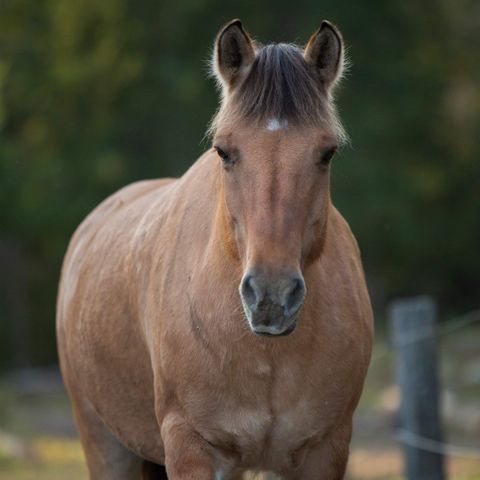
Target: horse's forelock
<point>280,85</point>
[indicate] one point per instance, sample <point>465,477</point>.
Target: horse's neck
<point>205,253</point>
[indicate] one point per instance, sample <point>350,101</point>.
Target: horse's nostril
<point>281,297</point>
<point>295,295</point>
<point>247,291</point>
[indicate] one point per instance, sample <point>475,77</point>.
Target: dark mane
<point>280,85</point>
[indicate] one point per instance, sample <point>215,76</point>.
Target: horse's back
<point>106,213</point>
<point>114,204</point>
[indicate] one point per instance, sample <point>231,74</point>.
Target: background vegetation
<point>94,95</point>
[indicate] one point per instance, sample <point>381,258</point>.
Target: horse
<point>220,323</point>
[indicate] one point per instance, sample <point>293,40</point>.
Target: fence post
<point>412,323</point>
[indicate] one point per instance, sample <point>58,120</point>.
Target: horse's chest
<point>262,437</point>
<point>265,411</point>
<point>261,425</point>
<point>244,425</point>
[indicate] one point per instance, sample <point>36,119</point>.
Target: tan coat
<point>155,350</point>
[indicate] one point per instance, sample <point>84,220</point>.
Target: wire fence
<point>451,327</point>
<point>409,438</point>
<point>413,440</point>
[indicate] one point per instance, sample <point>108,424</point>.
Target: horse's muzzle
<point>272,304</point>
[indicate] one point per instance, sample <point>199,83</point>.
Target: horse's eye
<point>327,156</point>
<point>226,159</point>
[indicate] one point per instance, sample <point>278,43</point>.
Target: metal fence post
<point>412,323</point>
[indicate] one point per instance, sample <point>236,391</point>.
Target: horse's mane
<point>280,85</point>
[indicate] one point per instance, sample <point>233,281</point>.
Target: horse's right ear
<point>324,52</point>
<point>233,55</point>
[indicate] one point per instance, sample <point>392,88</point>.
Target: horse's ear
<point>324,52</point>
<point>234,54</point>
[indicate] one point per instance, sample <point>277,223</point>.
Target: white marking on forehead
<point>275,124</point>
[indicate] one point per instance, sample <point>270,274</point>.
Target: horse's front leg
<point>326,460</point>
<point>187,455</point>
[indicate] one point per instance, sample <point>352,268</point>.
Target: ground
<point>38,439</point>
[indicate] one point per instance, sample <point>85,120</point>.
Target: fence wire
<point>422,443</point>
<point>412,439</point>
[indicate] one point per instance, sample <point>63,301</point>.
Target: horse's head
<point>275,135</point>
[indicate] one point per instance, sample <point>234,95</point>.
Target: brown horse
<point>220,322</point>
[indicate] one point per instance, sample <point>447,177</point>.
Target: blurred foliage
<point>94,95</point>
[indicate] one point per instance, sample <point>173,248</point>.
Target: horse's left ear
<point>233,55</point>
<point>324,52</point>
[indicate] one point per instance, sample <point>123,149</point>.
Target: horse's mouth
<point>284,333</point>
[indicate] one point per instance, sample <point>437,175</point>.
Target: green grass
<point>45,458</point>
